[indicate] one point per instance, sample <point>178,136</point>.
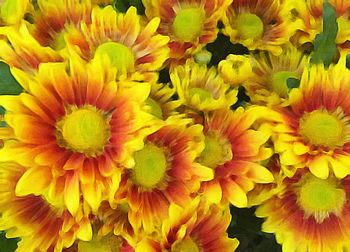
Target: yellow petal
<point>236,195</point>
<point>340,169</point>
<point>213,193</point>
<point>93,195</point>
<point>34,181</point>
<point>300,148</point>
<point>84,233</point>
<point>319,167</point>
<point>71,192</point>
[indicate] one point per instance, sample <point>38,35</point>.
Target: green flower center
<point>150,166</point>
<point>249,26</point>
<point>188,24</point>
<point>321,128</point>
<point>201,93</point>
<point>320,197</point>
<point>107,243</point>
<point>119,55</point>
<point>279,82</point>
<point>187,245</point>
<point>156,110</point>
<point>85,130</point>
<point>217,151</point>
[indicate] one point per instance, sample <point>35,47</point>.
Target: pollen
<point>249,26</point>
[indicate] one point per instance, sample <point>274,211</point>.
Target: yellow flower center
<point>150,166</point>
<point>279,82</point>
<point>249,26</point>
<point>217,151</point>
<point>119,55</point>
<point>322,128</point>
<point>156,110</point>
<point>109,243</point>
<point>320,197</point>
<point>8,8</point>
<point>201,93</point>
<point>188,24</point>
<point>85,130</point>
<point>187,245</point>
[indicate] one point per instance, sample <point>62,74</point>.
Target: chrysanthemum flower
<point>201,88</point>
<point>189,24</point>
<point>130,45</point>
<point>75,120</point>
<point>310,214</point>
<point>310,12</point>
<point>19,49</point>
<point>259,24</point>
<point>314,130</point>
<point>266,74</point>
<point>55,21</point>
<point>164,171</point>
<point>12,11</point>
<point>42,225</point>
<point>160,101</point>
<point>195,228</point>
<point>233,149</point>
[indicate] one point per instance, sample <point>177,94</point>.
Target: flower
<point>267,75</point>
<point>314,131</point>
<point>310,214</point>
<point>234,149</point>
<point>164,172</point>
<point>42,225</point>
<point>189,24</point>
<point>75,120</point>
<point>12,11</point>
<point>259,24</point>
<point>201,88</point>
<point>138,46</point>
<point>197,227</point>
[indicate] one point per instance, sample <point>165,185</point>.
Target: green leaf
<point>293,83</point>
<point>7,245</point>
<point>348,61</point>
<point>325,48</point>
<point>8,84</point>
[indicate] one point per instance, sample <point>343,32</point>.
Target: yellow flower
<point>314,131</point>
<point>189,24</point>
<point>42,225</point>
<point>12,11</point>
<point>202,88</point>
<point>74,119</point>
<point>259,24</point>
<point>266,75</point>
<point>309,214</point>
<point>164,172</point>
<point>234,149</point>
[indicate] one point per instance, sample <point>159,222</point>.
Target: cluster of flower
<point>103,151</point>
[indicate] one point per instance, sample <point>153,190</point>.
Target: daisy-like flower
<point>259,24</point>
<point>12,11</point>
<point>130,45</point>
<point>164,172</point>
<point>314,130</point>
<point>75,120</point>
<point>233,149</point>
<point>201,88</point>
<point>42,225</point>
<point>310,12</point>
<point>189,24</point>
<point>197,228</point>
<point>309,214</point>
<point>55,21</point>
<point>266,74</point>
<point>160,101</point>
<point>19,49</point>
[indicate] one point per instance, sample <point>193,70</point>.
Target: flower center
<point>279,82</point>
<point>187,245</point>
<point>156,110</point>
<point>188,24</point>
<point>217,151</point>
<point>249,26</point>
<point>8,8</point>
<point>322,128</point>
<point>201,93</point>
<point>320,197</point>
<point>119,55</point>
<point>85,130</point>
<point>105,244</point>
<point>150,166</point>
